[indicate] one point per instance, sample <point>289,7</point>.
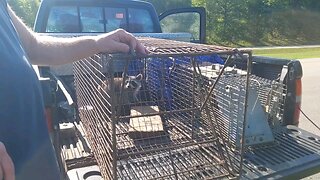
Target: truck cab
<point>100,16</point>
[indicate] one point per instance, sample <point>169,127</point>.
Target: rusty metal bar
<point>160,113</point>
<point>242,150</point>
<point>166,148</point>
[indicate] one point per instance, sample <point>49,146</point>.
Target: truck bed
<point>295,154</point>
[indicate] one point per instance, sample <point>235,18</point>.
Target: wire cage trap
<point>177,113</point>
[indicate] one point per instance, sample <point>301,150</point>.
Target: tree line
<point>236,22</point>
<point>25,9</point>
<point>256,22</point>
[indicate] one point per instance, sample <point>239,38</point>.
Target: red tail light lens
<point>298,101</point>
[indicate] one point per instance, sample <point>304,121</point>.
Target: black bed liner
<point>295,154</point>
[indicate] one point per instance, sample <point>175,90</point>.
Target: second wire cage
<point>166,115</point>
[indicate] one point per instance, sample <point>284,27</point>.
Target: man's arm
<point>45,50</point>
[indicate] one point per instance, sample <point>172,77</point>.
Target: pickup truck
<point>68,18</point>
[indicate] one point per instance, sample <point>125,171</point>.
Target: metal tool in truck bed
<point>219,121</point>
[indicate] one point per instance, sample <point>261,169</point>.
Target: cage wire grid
<point>173,114</point>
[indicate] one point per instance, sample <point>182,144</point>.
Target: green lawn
<point>289,53</point>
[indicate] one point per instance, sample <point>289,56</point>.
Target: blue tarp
<point>158,73</point>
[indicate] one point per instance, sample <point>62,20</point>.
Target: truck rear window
<point>72,19</point>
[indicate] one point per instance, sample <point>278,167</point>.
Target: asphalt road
<point>311,98</point>
<point>310,94</point>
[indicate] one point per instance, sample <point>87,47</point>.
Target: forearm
<point>45,50</point>
<point>57,51</point>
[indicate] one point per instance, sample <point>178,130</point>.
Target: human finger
<point>130,40</point>
<point>120,47</point>
<point>1,173</point>
<point>6,164</point>
<point>141,48</point>
<point>8,168</point>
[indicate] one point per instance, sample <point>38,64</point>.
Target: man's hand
<point>6,164</point>
<point>119,41</point>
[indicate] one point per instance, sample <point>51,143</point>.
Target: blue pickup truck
<point>69,18</point>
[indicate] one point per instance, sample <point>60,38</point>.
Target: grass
<point>289,53</point>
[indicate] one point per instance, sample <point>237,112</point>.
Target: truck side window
<point>91,19</point>
<point>182,22</point>
<point>63,19</point>
<point>140,21</point>
<point>115,18</point>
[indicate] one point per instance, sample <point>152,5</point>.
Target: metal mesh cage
<point>177,113</point>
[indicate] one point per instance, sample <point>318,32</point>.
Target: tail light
<point>298,96</point>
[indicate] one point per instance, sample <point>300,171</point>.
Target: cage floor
<point>177,134</point>
<point>295,154</point>
<point>194,162</point>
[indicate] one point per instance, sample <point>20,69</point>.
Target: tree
<point>225,20</point>
<point>25,9</point>
<point>164,5</point>
<point>261,22</point>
